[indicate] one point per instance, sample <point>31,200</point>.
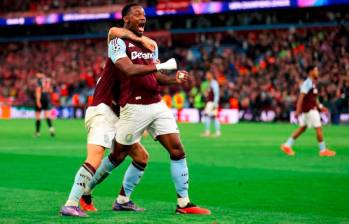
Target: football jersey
<point>308,87</point>
<point>108,87</point>
<point>136,89</point>
<point>46,88</point>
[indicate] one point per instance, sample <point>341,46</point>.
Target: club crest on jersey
<point>141,55</point>
<point>114,43</point>
<point>129,137</point>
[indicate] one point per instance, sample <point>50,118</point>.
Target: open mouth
<point>141,26</point>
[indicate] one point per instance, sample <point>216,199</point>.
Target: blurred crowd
<point>9,6</point>
<point>257,71</point>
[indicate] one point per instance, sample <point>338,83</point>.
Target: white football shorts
<point>210,109</point>
<point>100,123</point>
<point>310,119</point>
<point>156,118</point>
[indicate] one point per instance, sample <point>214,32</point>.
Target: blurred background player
<point>211,108</point>
<point>308,115</point>
<point>43,92</point>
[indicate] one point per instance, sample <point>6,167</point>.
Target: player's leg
<point>303,123</point>
<point>94,157</point>
<point>37,122</point>
<point>207,126</point>
<point>287,146</point>
<point>82,178</point>
<point>217,126</point>
<point>207,119</point>
<point>314,121</point>
<point>109,163</point>
<point>180,174</point>
<point>49,123</point>
<point>132,123</point>
<point>100,123</point>
<point>324,151</point>
<point>132,177</point>
<point>164,128</point>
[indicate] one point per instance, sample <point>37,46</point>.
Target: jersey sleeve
<point>215,89</point>
<point>116,49</point>
<point>156,52</point>
<point>306,86</point>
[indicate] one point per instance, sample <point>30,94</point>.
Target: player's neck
<point>313,79</point>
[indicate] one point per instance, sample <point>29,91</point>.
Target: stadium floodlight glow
<point>49,19</point>
<point>82,17</point>
<point>211,7</point>
<point>259,4</point>
<point>317,3</point>
<point>15,21</point>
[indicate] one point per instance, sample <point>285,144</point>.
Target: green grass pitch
<point>242,177</point>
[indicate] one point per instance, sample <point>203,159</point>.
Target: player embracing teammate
<point>141,109</point>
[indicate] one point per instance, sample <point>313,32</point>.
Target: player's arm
<point>321,107</point>
<point>305,88</point>
<point>165,80</point>
<point>117,53</point>
<point>38,97</point>
<point>299,104</point>
<point>116,32</point>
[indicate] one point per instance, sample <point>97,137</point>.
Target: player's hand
<point>170,64</point>
<point>182,76</point>
<point>38,104</point>
<point>296,115</point>
<point>324,110</point>
<point>148,43</point>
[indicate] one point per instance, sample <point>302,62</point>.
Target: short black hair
<point>127,9</point>
<point>310,68</point>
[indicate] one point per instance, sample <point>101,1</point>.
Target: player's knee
<point>145,157</point>
<point>93,162</point>
<point>177,151</point>
<point>117,158</point>
<point>142,157</point>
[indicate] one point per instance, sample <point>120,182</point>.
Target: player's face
<point>135,20</point>
<point>209,76</point>
<point>315,73</point>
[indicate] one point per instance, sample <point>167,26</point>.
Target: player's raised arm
<point>116,32</point>
<point>179,78</point>
<point>117,53</point>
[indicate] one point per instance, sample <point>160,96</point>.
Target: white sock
<point>122,199</point>
<point>71,203</point>
<point>182,202</point>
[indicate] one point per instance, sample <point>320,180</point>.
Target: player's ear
<point>126,19</point>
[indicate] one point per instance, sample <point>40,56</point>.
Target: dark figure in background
<point>42,103</point>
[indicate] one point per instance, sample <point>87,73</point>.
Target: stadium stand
<point>260,70</point>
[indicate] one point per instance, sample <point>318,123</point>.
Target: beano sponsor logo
<point>136,55</point>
